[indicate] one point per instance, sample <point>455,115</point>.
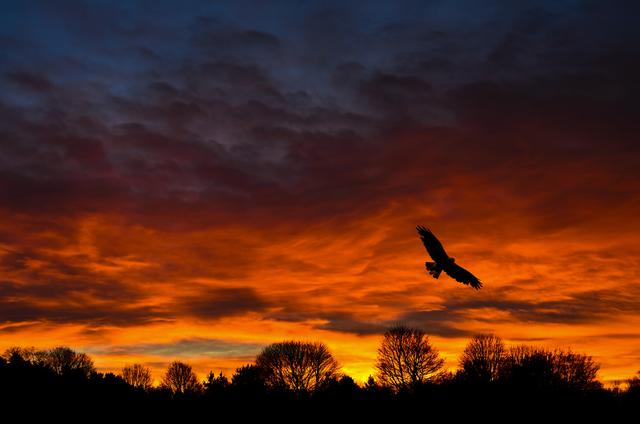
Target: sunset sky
<point>194,180</point>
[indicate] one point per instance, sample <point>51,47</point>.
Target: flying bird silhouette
<point>443,262</point>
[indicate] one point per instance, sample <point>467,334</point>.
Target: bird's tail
<point>433,269</point>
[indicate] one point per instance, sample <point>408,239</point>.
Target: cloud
<point>64,302</point>
<point>591,306</point>
<point>189,348</point>
<point>215,303</point>
<point>29,81</point>
<point>217,164</point>
<point>443,323</point>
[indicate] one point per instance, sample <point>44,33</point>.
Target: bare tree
<point>528,366</point>
<point>180,378</point>
<point>539,367</point>
<point>23,354</point>
<point>406,358</point>
<point>482,358</point>
<point>323,366</point>
<point>576,370</point>
<point>299,366</point>
<point>64,360</point>
<point>137,376</point>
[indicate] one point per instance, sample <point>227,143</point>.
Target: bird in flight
<point>443,262</point>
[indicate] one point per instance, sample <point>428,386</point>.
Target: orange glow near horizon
<point>195,182</point>
<point>214,297</point>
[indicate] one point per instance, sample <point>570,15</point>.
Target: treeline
<point>409,371</point>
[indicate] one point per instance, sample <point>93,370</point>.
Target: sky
<point>194,180</point>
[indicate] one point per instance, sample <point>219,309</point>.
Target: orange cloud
<point>184,202</point>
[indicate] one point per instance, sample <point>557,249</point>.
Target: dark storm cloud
<point>109,314</point>
<point>214,303</point>
<point>64,299</point>
<point>218,114</point>
<point>453,318</point>
<point>349,323</point>
<point>30,81</point>
<point>338,320</point>
<point>586,307</point>
<point>210,34</point>
<point>592,306</point>
<point>16,327</point>
<point>443,323</point>
<point>231,125</point>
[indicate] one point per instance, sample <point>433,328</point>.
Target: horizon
<point>197,181</point>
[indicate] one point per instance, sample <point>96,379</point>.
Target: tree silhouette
<point>533,367</point>
<point>65,361</point>
<point>298,366</point>
<point>249,381</point>
<point>528,376</point>
<point>575,370</point>
<point>61,360</point>
<point>180,379</point>
<point>343,389</point>
<point>634,384</point>
<point>528,366</point>
<point>216,385</point>
<point>482,358</point>
<point>24,354</point>
<point>406,358</point>
<point>371,386</point>
<point>137,376</point>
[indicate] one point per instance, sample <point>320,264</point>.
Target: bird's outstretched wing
<point>463,276</point>
<point>433,245</point>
